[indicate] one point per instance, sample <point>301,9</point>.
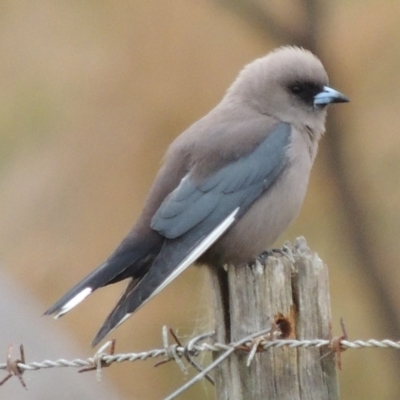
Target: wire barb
<point>189,352</point>
<point>13,367</point>
<point>336,346</point>
<point>98,359</point>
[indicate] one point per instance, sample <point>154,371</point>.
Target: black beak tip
<point>342,99</point>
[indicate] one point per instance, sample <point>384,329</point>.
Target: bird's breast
<point>270,215</point>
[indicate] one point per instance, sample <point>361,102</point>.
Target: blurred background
<point>92,93</point>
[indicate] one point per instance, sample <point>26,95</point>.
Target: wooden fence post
<point>293,290</point>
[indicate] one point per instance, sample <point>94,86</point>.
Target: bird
<point>229,185</point>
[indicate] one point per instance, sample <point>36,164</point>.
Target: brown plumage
<point>229,185</point>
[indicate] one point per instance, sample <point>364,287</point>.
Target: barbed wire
<point>260,341</point>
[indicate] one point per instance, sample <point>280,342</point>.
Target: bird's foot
<point>263,257</point>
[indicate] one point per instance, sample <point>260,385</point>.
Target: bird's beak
<point>328,96</point>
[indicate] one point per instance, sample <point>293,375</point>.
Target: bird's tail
<point>175,256</point>
<point>129,260</point>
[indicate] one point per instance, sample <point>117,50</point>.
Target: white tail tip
<point>74,301</point>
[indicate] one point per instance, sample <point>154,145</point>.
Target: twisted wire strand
<point>195,349</point>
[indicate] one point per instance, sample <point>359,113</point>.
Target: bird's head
<point>289,84</point>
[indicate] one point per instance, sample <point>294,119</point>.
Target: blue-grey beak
<point>328,96</point>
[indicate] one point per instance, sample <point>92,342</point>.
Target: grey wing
<point>194,216</point>
<point>238,184</point>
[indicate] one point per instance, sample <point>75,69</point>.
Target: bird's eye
<point>296,89</point>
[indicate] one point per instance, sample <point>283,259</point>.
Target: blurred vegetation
<point>92,93</point>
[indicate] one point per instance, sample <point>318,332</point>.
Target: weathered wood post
<point>293,289</point>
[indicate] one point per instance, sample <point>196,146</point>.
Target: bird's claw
<point>263,257</point>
